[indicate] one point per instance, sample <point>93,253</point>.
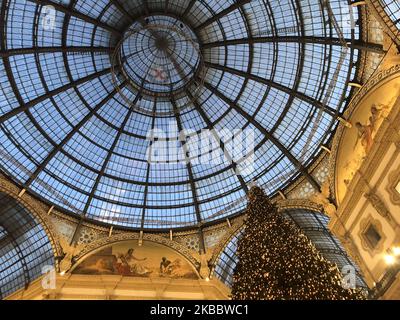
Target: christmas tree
<point>278,262</point>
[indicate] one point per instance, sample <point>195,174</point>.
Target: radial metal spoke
<point>52,93</point>
<point>122,9</point>
<point>275,85</point>
<point>210,126</point>
<point>109,155</point>
<point>357,44</point>
<point>146,188</point>
<point>77,14</point>
<point>222,14</point>
<point>189,7</point>
<point>299,71</point>
<point>252,88</point>
<point>267,134</point>
<point>35,50</point>
<point>191,176</point>
<point>102,171</point>
<point>70,135</point>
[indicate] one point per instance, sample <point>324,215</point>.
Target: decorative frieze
<point>393,187</point>
<point>380,207</point>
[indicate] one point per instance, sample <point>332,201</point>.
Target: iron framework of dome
<point>25,248</point>
<point>83,83</point>
<point>392,9</point>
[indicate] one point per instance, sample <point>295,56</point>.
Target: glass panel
<point>68,134</point>
<point>24,247</point>
<point>392,8</point>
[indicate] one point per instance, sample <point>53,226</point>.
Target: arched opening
<point>24,247</point>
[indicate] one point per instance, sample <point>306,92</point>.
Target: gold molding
<point>380,206</point>
<point>105,242</point>
<point>300,204</point>
<point>373,84</point>
<point>394,180</point>
<point>360,183</point>
<point>38,212</point>
<point>364,225</point>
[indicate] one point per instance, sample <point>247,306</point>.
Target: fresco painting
<point>357,141</point>
<point>131,260</point>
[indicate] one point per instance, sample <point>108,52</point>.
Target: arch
<point>104,243</point>
<point>345,159</point>
<point>37,211</point>
<point>289,204</point>
<point>314,224</point>
<point>25,247</point>
<point>240,87</point>
<point>226,260</point>
<point>282,205</point>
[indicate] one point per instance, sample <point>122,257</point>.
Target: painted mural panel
<point>130,259</point>
<point>356,142</point>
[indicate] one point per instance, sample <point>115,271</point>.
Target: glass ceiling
<point>82,83</point>
<point>24,247</point>
<point>392,9</point>
<point>314,226</point>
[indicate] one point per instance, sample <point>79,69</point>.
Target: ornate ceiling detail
<point>267,67</point>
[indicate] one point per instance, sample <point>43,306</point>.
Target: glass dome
<point>85,84</point>
<point>392,9</point>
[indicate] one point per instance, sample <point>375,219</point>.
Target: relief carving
<point>393,186</point>
<point>364,225</point>
<point>69,254</point>
<point>380,206</point>
<point>365,128</point>
<point>323,200</point>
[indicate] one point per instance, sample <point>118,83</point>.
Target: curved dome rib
<point>68,10</point>
<point>24,107</point>
<point>268,135</point>
<point>24,247</point>
<point>211,127</point>
<point>58,148</point>
<point>71,136</point>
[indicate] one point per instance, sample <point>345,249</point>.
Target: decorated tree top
<point>277,261</point>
